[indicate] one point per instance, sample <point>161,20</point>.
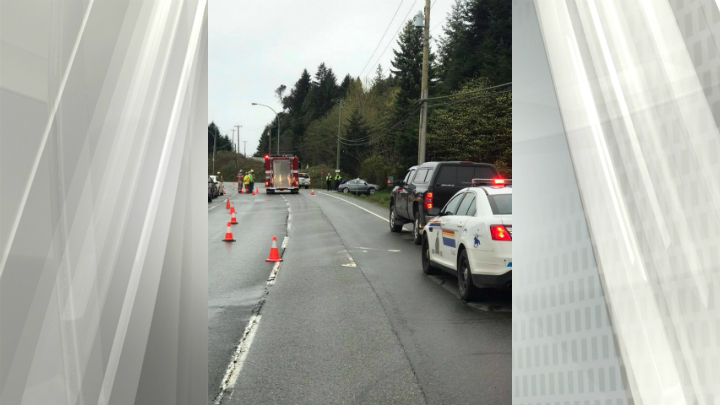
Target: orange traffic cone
<point>227,203</point>
<point>228,234</point>
<point>233,219</point>
<point>232,209</point>
<point>312,191</point>
<point>274,254</point>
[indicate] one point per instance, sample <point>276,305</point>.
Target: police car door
<point>446,242</point>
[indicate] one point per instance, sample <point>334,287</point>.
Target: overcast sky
<point>257,45</point>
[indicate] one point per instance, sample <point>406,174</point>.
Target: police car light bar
<point>498,182</point>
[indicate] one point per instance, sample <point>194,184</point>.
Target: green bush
<point>376,170</point>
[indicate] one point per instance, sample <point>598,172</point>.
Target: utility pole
<point>424,91</point>
<point>278,142</point>
<point>245,148</point>
<point>234,145</point>
<point>237,163</point>
<point>214,148</point>
<point>337,166</point>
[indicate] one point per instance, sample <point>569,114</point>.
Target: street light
<point>278,122</point>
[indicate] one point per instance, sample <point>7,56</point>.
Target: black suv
<point>431,185</point>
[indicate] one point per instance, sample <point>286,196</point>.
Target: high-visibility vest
<point>251,177</point>
<point>328,178</point>
<point>246,180</point>
<point>337,177</point>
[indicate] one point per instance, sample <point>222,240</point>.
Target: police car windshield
<point>501,204</point>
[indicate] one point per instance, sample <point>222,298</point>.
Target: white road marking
<point>368,211</point>
<point>273,274</point>
<point>393,251</point>
<point>284,242</point>
<point>238,358</point>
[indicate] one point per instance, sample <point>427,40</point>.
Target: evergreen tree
<point>323,92</point>
<point>293,103</point>
<point>344,86</point>
<point>407,67</point>
<point>354,148</point>
<point>454,33</point>
<point>478,43</point>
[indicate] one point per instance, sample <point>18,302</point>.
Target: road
<point>348,316</point>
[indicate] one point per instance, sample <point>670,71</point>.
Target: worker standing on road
<point>252,180</point>
<point>337,181</point>
<point>246,181</point>
<point>328,180</point>
<point>221,186</point>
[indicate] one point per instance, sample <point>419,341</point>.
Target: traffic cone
<point>274,253</point>
<point>232,209</point>
<point>228,234</point>
<point>227,203</point>
<point>312,191</point>
<point>233,219</point>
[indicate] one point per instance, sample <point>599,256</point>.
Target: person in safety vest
<point>252,179</point>
<point>337,181</point>
<point>221,186</point>
<point>328,180</point>
<point>246,181</point>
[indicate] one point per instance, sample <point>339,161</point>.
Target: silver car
<point>358,186</point>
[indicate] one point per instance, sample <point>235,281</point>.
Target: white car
<point>472,238</point>
<point>220,186</point>
<point>304,180</point>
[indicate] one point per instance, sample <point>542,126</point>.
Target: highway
<point>348,317</point>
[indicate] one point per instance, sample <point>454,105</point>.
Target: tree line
<point>469,116</point>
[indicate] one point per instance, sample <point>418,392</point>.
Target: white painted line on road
<point>273,274</point>
<point>284,243</point>
<point>368,211</point>
<point>238,358</point>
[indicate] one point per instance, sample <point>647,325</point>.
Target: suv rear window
<point>303,175</point>
<point>461,176</point>
<point>501,204</point>
<point>423,176</point>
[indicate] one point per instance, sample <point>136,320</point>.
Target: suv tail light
<point>499,232</point>
<point>428,200</point>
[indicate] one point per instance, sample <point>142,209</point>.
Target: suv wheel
<point>468,291</point>
<point>426,264</point>
<point>372,191</point>
<point>417,238</point>
<point>346,190</point>
<point>394,227</point>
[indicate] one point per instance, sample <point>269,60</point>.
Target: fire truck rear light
<point>498,232</point>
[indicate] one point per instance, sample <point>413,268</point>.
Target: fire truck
<point>281,173</point>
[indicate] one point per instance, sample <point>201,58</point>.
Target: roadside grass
<point>381,197</point>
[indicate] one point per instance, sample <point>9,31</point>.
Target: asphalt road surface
<point>348,317</point>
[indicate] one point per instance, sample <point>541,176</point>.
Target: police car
<point>471,236</point>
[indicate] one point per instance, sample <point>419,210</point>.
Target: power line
<point>471,98</point>
<point>471,92</point>
<point>393,37</point>
<point>381,38</point>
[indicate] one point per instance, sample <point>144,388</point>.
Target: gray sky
<point>257,45</point>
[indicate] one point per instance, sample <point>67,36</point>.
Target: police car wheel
<point>345,190</point>
<point>426,264</point>
<point>417,239</point>
<point>468,291</point>
<point>371,191</point>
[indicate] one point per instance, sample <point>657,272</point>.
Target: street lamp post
<point>277,116</point>
<point>237,150</point>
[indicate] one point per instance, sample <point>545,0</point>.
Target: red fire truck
<point>281,173</point>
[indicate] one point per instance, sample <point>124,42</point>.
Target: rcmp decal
<point>448,237</point>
